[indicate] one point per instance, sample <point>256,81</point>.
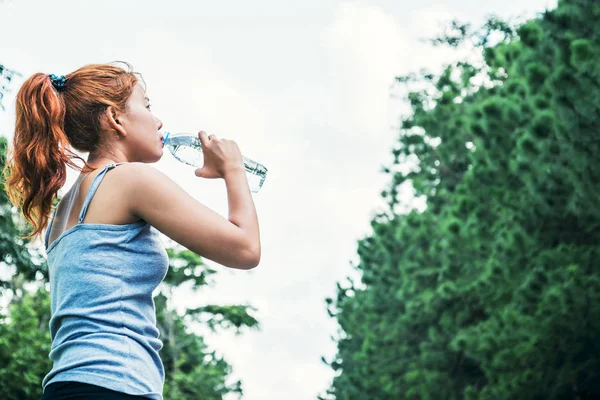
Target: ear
<point>112,118</point>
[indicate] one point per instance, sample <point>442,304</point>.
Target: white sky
<point>305,89</point>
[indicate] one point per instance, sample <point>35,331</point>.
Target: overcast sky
<point>305,88</point>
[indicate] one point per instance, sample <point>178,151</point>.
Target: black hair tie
<point>58,81</point>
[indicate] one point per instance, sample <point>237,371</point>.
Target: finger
<point>199,172</point>
<point>203,137</point>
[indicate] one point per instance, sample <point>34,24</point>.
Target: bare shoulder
<point>144,183</point>
<point>132,169</point>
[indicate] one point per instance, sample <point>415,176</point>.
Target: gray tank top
<point>103,323</point>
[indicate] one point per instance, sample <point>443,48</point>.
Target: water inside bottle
<point>188,150</point>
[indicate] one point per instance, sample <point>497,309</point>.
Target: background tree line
<point>493,291</point>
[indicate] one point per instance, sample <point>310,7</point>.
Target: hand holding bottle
<point>221,157</point>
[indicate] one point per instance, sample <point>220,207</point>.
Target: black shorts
<point>83,391</point>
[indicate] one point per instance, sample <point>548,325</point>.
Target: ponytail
<point>49,123</point>
<point>36,166</point>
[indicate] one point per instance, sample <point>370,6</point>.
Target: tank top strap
<point>93,188</point>
<point>50,227</point>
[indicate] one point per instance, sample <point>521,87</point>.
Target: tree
<point>6,76</point>
<point>491,292</point>
<point>24,346</point>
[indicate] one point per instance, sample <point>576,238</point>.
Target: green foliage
<point>530,33</point>
<point>192,370</point>
<point>6,77</point>
<point>24,346</point>
<point>187,269</point>
<point>491,292</point>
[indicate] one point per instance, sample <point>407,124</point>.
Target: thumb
<point>200,172</point>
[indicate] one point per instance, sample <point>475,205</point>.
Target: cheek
<point>150,118</point>
<point>144,118</point>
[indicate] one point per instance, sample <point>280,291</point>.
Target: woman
<point>104,253</point>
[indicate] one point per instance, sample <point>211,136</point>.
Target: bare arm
<point>232,242</point>
<point>242,212</point>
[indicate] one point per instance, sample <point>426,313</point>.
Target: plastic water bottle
<point>188,149</point>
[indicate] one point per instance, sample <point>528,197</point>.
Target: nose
<point>159,123</point>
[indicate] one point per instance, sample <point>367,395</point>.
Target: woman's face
<point>144,142</point>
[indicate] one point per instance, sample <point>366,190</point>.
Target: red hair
<point>51,122</point>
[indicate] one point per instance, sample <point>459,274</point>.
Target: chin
<point>152,159</point>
